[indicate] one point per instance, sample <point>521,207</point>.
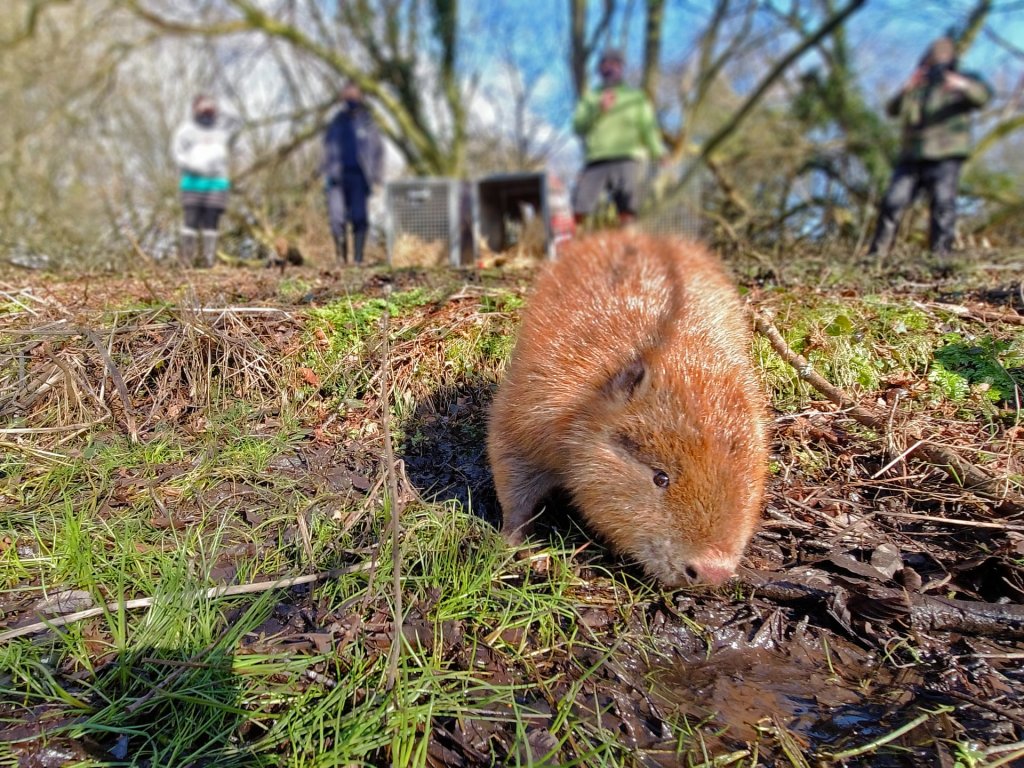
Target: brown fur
<point>633,358</point>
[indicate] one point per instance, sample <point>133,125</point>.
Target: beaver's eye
<point>661,479</point>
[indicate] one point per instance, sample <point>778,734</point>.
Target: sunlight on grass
<point>502,660</point>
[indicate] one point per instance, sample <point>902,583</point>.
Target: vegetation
<point>253,528</point>
<point>199,470</point>
<point>776,114</point>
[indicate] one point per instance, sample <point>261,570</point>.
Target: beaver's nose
<point>709,570</point>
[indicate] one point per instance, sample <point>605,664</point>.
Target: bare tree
<point>379,46</point>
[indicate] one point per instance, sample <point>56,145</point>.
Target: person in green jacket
<point>933,108</point>
<point>619,131</point>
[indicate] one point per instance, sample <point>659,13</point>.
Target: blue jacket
<point>369,147</point>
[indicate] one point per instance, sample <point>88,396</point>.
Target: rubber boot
<point>188,246</point>
<point>359,244</point>
<point>341,249</point>
<point>885,233</point>
<point>209,247</point>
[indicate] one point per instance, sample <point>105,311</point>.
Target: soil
<point>823,639</point>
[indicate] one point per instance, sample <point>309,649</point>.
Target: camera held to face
<point>937,73</point>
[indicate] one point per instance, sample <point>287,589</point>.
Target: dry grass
<point>143,367</point>
<point>259,456</point>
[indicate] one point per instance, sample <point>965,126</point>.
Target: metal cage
<point>428,210</point>
<point>502,204</point>
<point>682,217</point>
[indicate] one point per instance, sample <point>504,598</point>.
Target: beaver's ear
<point>624,383</point>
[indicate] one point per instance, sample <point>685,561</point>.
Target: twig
<point>978,314</point>
<point>927,612</point>
<point>993,656</point>
<point>307,539</point>
<point>991,706</point>
<point>322,679</point>
<point>883,740</point>
<point>238,310</point>
<point>954,521</point>
<point>963,472</point>
<point>13,300</point>
<point>175,674</point>
<point>396,512</point>
<point>139,251</point>
<point>209,594</point>
<point>895,461</point>
<point>49,430</point>
<point>1010,759</point>
<point>7,445</point>
<point>863,235</point>
<point>115,376</point>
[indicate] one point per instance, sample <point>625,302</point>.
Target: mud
<point>828,673</point>
<point>817,646</point>
<point>446,455</point>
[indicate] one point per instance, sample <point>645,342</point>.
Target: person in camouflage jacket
<point>933,108</point>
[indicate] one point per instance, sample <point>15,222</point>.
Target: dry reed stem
<point>115,376</point>
<point>209,594</point>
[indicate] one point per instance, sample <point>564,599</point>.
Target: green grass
<point>495,639</point>
<point>178,683</point>
<point>191,678</point>
<point>993,367</point>
<point>858,344</point>
<point>341,334</point>
<point>293,289</point>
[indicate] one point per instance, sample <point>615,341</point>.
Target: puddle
<point>740,691</point>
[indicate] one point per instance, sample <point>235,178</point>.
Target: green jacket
<point>935,120</point>
<point>627,130</point>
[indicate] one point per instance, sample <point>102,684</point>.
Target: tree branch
<point>961,471</point>
<point>737,118</point>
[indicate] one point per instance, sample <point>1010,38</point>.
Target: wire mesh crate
<point>424,222</point>
<point>510,211</point>
<point>681,216</point>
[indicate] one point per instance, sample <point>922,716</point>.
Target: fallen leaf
<point>310,377</point>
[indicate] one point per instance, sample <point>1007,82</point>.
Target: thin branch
<point>652,46</point>
<point>395,503</point>
<point>961,471</point>
<point>680,189</point>
<point>975,21</point>
<point>209,594</point>
<point>987,315</point>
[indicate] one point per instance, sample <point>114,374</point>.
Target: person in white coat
<point>201,150</point>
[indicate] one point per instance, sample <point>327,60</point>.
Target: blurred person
<point>619,131</point>
<point>201,150</point>
<point>933,108</point>
<point>353,166</point>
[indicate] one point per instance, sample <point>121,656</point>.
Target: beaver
<point>631,387</point>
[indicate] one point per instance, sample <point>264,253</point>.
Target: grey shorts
<point>621,177</point>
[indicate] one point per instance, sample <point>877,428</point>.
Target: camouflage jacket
<point>935,119</point>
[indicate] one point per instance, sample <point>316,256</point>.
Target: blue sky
<point>887,37</point>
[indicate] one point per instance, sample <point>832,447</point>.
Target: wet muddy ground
<point>881,606</point>
<point>819,641</point>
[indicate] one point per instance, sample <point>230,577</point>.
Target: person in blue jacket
<point>353,166</point>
